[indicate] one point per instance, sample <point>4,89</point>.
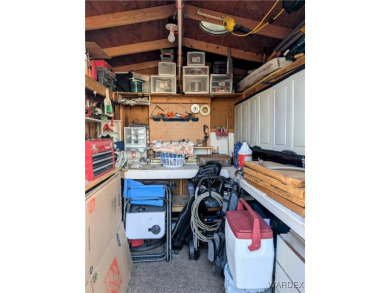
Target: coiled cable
<point>196,223</point>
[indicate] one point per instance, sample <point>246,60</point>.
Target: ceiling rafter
<point>161,12</point>
<point>187,42</point>
<point>128,17</point>
<point>222,50</point>
<point>139,47</point>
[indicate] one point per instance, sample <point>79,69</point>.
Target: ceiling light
<point>172,28</point>
<point>213,28</point>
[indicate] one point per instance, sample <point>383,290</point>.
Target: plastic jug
<point>244,154</point>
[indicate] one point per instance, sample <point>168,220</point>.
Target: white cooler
<point>249,248</point>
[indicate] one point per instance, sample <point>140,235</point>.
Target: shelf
<point>87,119</point>
<point>94,86</point>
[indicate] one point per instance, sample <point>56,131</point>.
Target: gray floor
<point>180,275</point>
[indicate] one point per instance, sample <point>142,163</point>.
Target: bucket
<point>244,154</point>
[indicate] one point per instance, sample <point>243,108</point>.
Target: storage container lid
<point>241,223</point>
<point>247,224</point>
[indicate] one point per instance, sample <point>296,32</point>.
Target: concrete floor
<point>180,275</point>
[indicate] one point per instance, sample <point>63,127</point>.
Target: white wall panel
<point>298,113</point>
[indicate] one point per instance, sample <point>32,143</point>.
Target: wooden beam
<point>137,66</point>
<point>271,30</point>
<point>129,17</point>
<point>259,86</point>
<point>139,47</point>
<point>154,64</point>
<point>222,50</point>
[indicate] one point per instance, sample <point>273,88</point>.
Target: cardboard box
<point>102,218</point>
<point>113,272</point>
<point>88,288</point>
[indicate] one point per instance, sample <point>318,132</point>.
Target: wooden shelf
<point>87,119</point>
<point>94,86</point>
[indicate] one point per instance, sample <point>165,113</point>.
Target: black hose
<point>146,248</point>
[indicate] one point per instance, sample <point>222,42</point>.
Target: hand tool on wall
<point>206,134</point>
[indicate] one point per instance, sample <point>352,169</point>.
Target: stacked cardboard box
<point>285,186</point>
<point>107,256</point>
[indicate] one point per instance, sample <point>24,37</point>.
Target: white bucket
<point>244,154</point>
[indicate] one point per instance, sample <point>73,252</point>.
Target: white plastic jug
<point>244,154</point>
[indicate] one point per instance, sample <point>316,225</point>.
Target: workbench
<point>157,171</point>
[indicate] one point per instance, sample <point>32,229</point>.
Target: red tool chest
<point>99,158</point>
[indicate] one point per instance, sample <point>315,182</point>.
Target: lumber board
<point>288,204</point>
<point>89,185</point>
<point>274,76</point>
<point>295,191</point>
<point>93,85</point>
<point>278,191</point>
<point>288,177</point>
<point>137,66</point>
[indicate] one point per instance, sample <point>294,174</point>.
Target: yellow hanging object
<point>228,23</point>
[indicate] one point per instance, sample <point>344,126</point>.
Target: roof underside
<point>248,51</point>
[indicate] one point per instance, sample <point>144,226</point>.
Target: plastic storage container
<point>163,84</point>
<point>220,67</point>
<point>166,68</point>
<point>230,287</point>
<point>249,248</point>
<point>167,58</point>
<point>196,84</point>
<point>195,70</point>
<point>196,58</point>
<point>135,85</point>
<point>221,83</point>
<point>136,137</point>
<point>244,154</point>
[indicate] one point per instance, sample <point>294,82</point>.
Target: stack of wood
<point>285,186</point>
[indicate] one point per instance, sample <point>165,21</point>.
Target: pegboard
<point>177,130</point>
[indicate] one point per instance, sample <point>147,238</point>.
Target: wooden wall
<point>222,109</point>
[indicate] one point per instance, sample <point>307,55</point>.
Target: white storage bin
<point>230,287</point>
<point>166,68</point>
<point>163,84</point>
<point>195,70</point>
<point>136,137</point>
<point>196,84</point>
<point>221,83</point>
<point>196,58</point>
<point>249,248</point>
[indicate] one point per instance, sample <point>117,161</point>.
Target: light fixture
<point>172,28</point>
<point>213,28</point>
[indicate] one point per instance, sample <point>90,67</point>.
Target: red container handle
<point>256,235</point>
